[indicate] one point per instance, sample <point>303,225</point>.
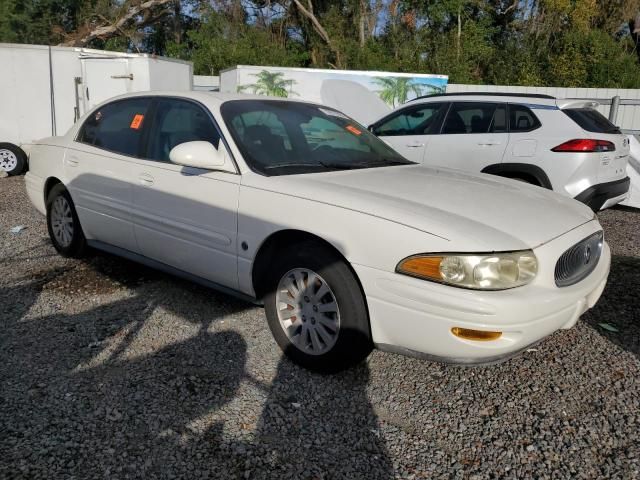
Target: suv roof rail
<point>488,94</point>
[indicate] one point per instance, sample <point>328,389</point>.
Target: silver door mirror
<point>199,155</point>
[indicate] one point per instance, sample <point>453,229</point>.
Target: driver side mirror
<point>199,154</point>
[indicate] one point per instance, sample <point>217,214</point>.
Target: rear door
<point>409,130</point>
<point>473,136</point>
<point>523,135</point>
<point>185,217</point>
<point>612,165</point>
<point>98,169</point>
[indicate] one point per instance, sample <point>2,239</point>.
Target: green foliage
<point>578,43</point>
<point>218,44</point>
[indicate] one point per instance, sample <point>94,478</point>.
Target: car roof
<point>496,96</point>
<point>205,97</point>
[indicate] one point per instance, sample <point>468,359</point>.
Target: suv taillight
<point>585,145</point>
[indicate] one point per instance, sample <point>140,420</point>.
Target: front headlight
<point>495,271</point>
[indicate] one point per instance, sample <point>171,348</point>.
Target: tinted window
<point>117,126</point>
<point>591,120</point>
<point>475,117</point>
<point>419,120</point>
<point>280,138</point>
<point>522,119</point>
<point>176,122</point>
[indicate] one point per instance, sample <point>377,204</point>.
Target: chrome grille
<point>579,261</point>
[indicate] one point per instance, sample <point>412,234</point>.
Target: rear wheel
<point>316,310</point>
<point>63,223</point>
<point>13,160</point>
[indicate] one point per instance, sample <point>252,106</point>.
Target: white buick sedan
<point>349,245</point>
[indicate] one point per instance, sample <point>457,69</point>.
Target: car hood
<point>479,211</point>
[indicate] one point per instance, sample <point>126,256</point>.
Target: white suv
<point>563,145</point>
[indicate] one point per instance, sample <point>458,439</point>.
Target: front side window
<point>417,120</point>
<point>175,122</point>
<point>282,138</point>
<point>522,119</point>
<point>475,117</point>
<point>116,127</point>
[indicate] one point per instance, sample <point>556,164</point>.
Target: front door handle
<point>415,145</point>
<point>145,179</point>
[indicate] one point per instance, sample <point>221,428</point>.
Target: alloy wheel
<point>308,311</point>
<point>62,221</point>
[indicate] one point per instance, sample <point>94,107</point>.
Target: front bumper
<point>605,195</point>
<point>415,317</point>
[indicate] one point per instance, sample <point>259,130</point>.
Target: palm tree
<point>270,83</point>
<point>395,90</point>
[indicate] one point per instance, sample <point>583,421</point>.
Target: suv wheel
<point>316,310</point>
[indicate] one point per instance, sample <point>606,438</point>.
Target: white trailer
<point>44,90</point>
<point>363,95</point>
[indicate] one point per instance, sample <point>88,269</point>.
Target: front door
<point>185,217</point>
<point>474,135</point>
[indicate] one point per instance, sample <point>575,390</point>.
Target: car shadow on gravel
<point>80,396</point>
<point>619,306</point>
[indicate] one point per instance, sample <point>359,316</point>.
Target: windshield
<point>284,138</point>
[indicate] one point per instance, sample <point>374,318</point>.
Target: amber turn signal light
<point>424,267</point>
<point>478,335</point>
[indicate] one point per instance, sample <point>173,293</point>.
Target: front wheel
<point>316,310</point>
<point>63,223</point>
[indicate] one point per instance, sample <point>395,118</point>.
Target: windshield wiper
<point>285,165</point>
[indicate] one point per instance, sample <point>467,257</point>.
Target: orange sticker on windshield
<point>136,123</point>
<point>353,130</point>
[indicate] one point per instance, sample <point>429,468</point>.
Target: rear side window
<point>175,122</point>
<point>422,119</point>
<point>117,126</point>
<point>475,117</point>
<point>591,120</point>
<point>522,119</point>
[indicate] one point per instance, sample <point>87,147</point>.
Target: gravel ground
<point>112,370</point>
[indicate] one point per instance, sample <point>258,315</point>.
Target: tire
<point>13,160</point>
<point>63,224</point>
<point>327,350</point>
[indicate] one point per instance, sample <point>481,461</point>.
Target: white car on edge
<point>349,245</point>
<point>564,145</point>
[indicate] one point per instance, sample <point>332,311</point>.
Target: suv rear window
<point>591,120</point>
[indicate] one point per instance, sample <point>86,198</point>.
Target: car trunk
<point>611,164</point>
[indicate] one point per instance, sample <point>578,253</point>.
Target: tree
<point>270,83</point>
<point>396,90</point>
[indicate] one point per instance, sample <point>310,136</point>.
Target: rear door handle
<point>145,179</point>
<point>489,143</point>
<point>414,145</point>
